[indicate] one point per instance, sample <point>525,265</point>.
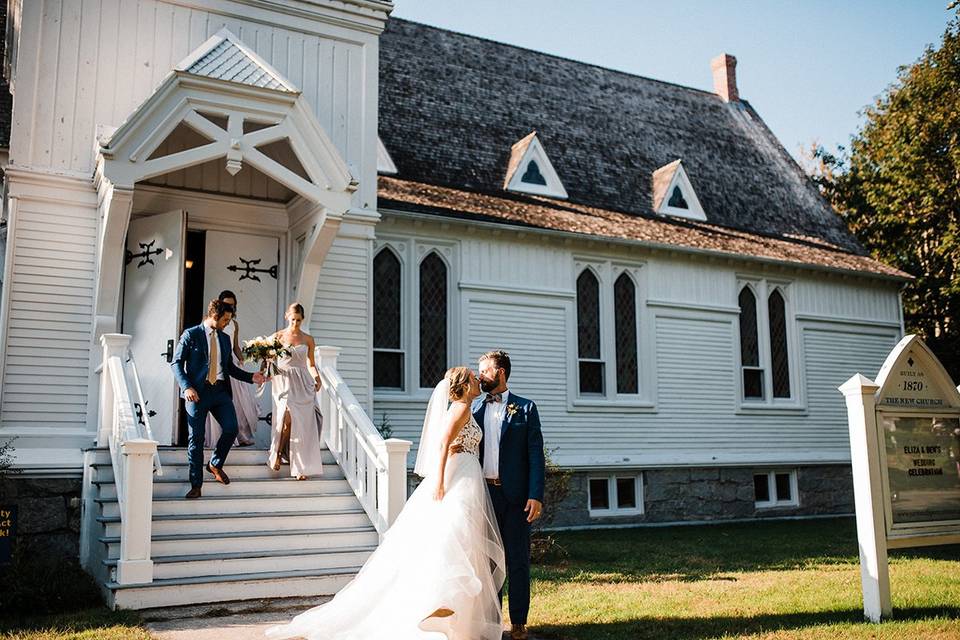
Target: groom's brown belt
<point>494,481</point>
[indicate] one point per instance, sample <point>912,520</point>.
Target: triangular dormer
<point>224,57</point>
<point>673,195</point>
<point>530,170</point>
<point>385,165</point>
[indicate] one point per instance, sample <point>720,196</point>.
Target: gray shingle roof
<point>452,105</point>
<point>227,59</point>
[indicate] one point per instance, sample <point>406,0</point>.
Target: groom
<point>511,453</point>
<point>201,366</point>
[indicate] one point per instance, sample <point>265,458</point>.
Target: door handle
<point>168,354</point>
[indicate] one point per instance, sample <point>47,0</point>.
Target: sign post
<point>905,455</point>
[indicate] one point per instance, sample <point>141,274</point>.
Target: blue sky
<point>807,67</point>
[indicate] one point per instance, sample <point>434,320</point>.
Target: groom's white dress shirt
<point>207,331</point>
<point>492,419</point>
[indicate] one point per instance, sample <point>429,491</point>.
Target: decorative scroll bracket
<point>250,271</point>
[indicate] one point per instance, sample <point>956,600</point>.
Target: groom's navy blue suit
<point>191,363</point>
<point>522,478</point>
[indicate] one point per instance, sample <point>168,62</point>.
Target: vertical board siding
<point>85,63</point>
<point>50,323</point>
<point>341,310</point>
<point>847,300</point>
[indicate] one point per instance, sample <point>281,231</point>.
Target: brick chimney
<point>724,68</point>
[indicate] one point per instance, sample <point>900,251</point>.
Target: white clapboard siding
<point>842,299</point>
<point>85,63</point>
<point>341,310</point>
<point>833,354</point>
<point>49,331</point>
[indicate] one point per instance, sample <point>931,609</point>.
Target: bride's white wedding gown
<point>438,555</point>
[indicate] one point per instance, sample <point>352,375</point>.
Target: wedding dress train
<point>440,557</point>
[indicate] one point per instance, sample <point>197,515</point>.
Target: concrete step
<point>236,522</point>
<point>103,472</point>
<point>252,562</point>
<point>231,503</point>
<point>246,586</point>
<point>263,540</point>
<point>282,486</point>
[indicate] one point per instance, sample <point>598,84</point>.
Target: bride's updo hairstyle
<point>459,378</point>
<point>295,307</point>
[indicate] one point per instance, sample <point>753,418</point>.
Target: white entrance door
<point>248,265</point>
<point>151,312</point>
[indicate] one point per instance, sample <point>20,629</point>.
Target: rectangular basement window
<point>775,489</point>
<point>615,495</point>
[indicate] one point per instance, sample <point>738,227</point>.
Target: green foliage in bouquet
<point>266,351</point>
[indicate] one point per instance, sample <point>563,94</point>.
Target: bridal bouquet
<point>266,351</point>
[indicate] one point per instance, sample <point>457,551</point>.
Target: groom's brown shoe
<point>518,632</point>
<point>218,474</point>
<point>193,493</point>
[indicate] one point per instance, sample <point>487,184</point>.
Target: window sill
<point>418,396</point>
<point>771,409</point>
<point>765,506</point>
<point>603,404</point>
<point>615,513</point>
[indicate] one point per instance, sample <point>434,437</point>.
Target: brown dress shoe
<point>218,474</point>
<point>193,493</point>
<point>518,632</point>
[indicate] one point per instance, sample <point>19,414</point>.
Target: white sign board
<point>905,453</point>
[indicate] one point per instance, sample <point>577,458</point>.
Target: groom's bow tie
<point>493,397</point>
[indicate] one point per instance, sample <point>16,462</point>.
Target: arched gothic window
<point>387,353</point>
<point>625,330</point>
<point>750,345</point>
<point>588,333</point>
<point>779,358</point>
<point>433,320</point>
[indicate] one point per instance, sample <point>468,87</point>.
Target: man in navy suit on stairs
<point>201,366</point>
<point>511,454</point>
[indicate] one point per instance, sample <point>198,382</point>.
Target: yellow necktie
<point>212,373</point>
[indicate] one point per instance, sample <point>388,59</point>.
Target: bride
<point>440,567</point>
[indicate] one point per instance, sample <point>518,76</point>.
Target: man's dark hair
<point>501,360</point>
<point>217,308</point>
<point>227,294</point>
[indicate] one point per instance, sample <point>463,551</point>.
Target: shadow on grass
<point>723,626</point>
<point>700,552</point>
<point>83,620</point>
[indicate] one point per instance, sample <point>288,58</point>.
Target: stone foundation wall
<point>725,493</point>
<point>48,513</point>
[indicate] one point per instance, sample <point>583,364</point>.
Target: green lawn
<point>88,624</point>
<point>795,579</point>
<point>770,580</point>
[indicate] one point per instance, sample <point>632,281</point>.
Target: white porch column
<point>392,483</point>
<point>135,565</point>
<point>860,393</point>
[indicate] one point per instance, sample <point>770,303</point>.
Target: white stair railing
<point>132,454</point>
<point>375,468</point>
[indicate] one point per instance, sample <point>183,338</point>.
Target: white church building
<point>674,293</point>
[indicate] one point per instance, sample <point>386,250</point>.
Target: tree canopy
<point>898,188</point>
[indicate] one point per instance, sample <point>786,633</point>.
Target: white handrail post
<point>326,356</point>
<point>392,483</point>
<point>134,565</point>
<point>114,344</point>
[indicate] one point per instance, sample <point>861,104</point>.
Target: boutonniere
<point>512,408</point>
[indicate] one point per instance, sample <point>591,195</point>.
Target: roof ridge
<point>554,56</point>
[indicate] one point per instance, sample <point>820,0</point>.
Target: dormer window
<point>673,193</point>
<point>676,200</point>
<point>532,175</point>
<point>530,170</point>
<point>385,165</point>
